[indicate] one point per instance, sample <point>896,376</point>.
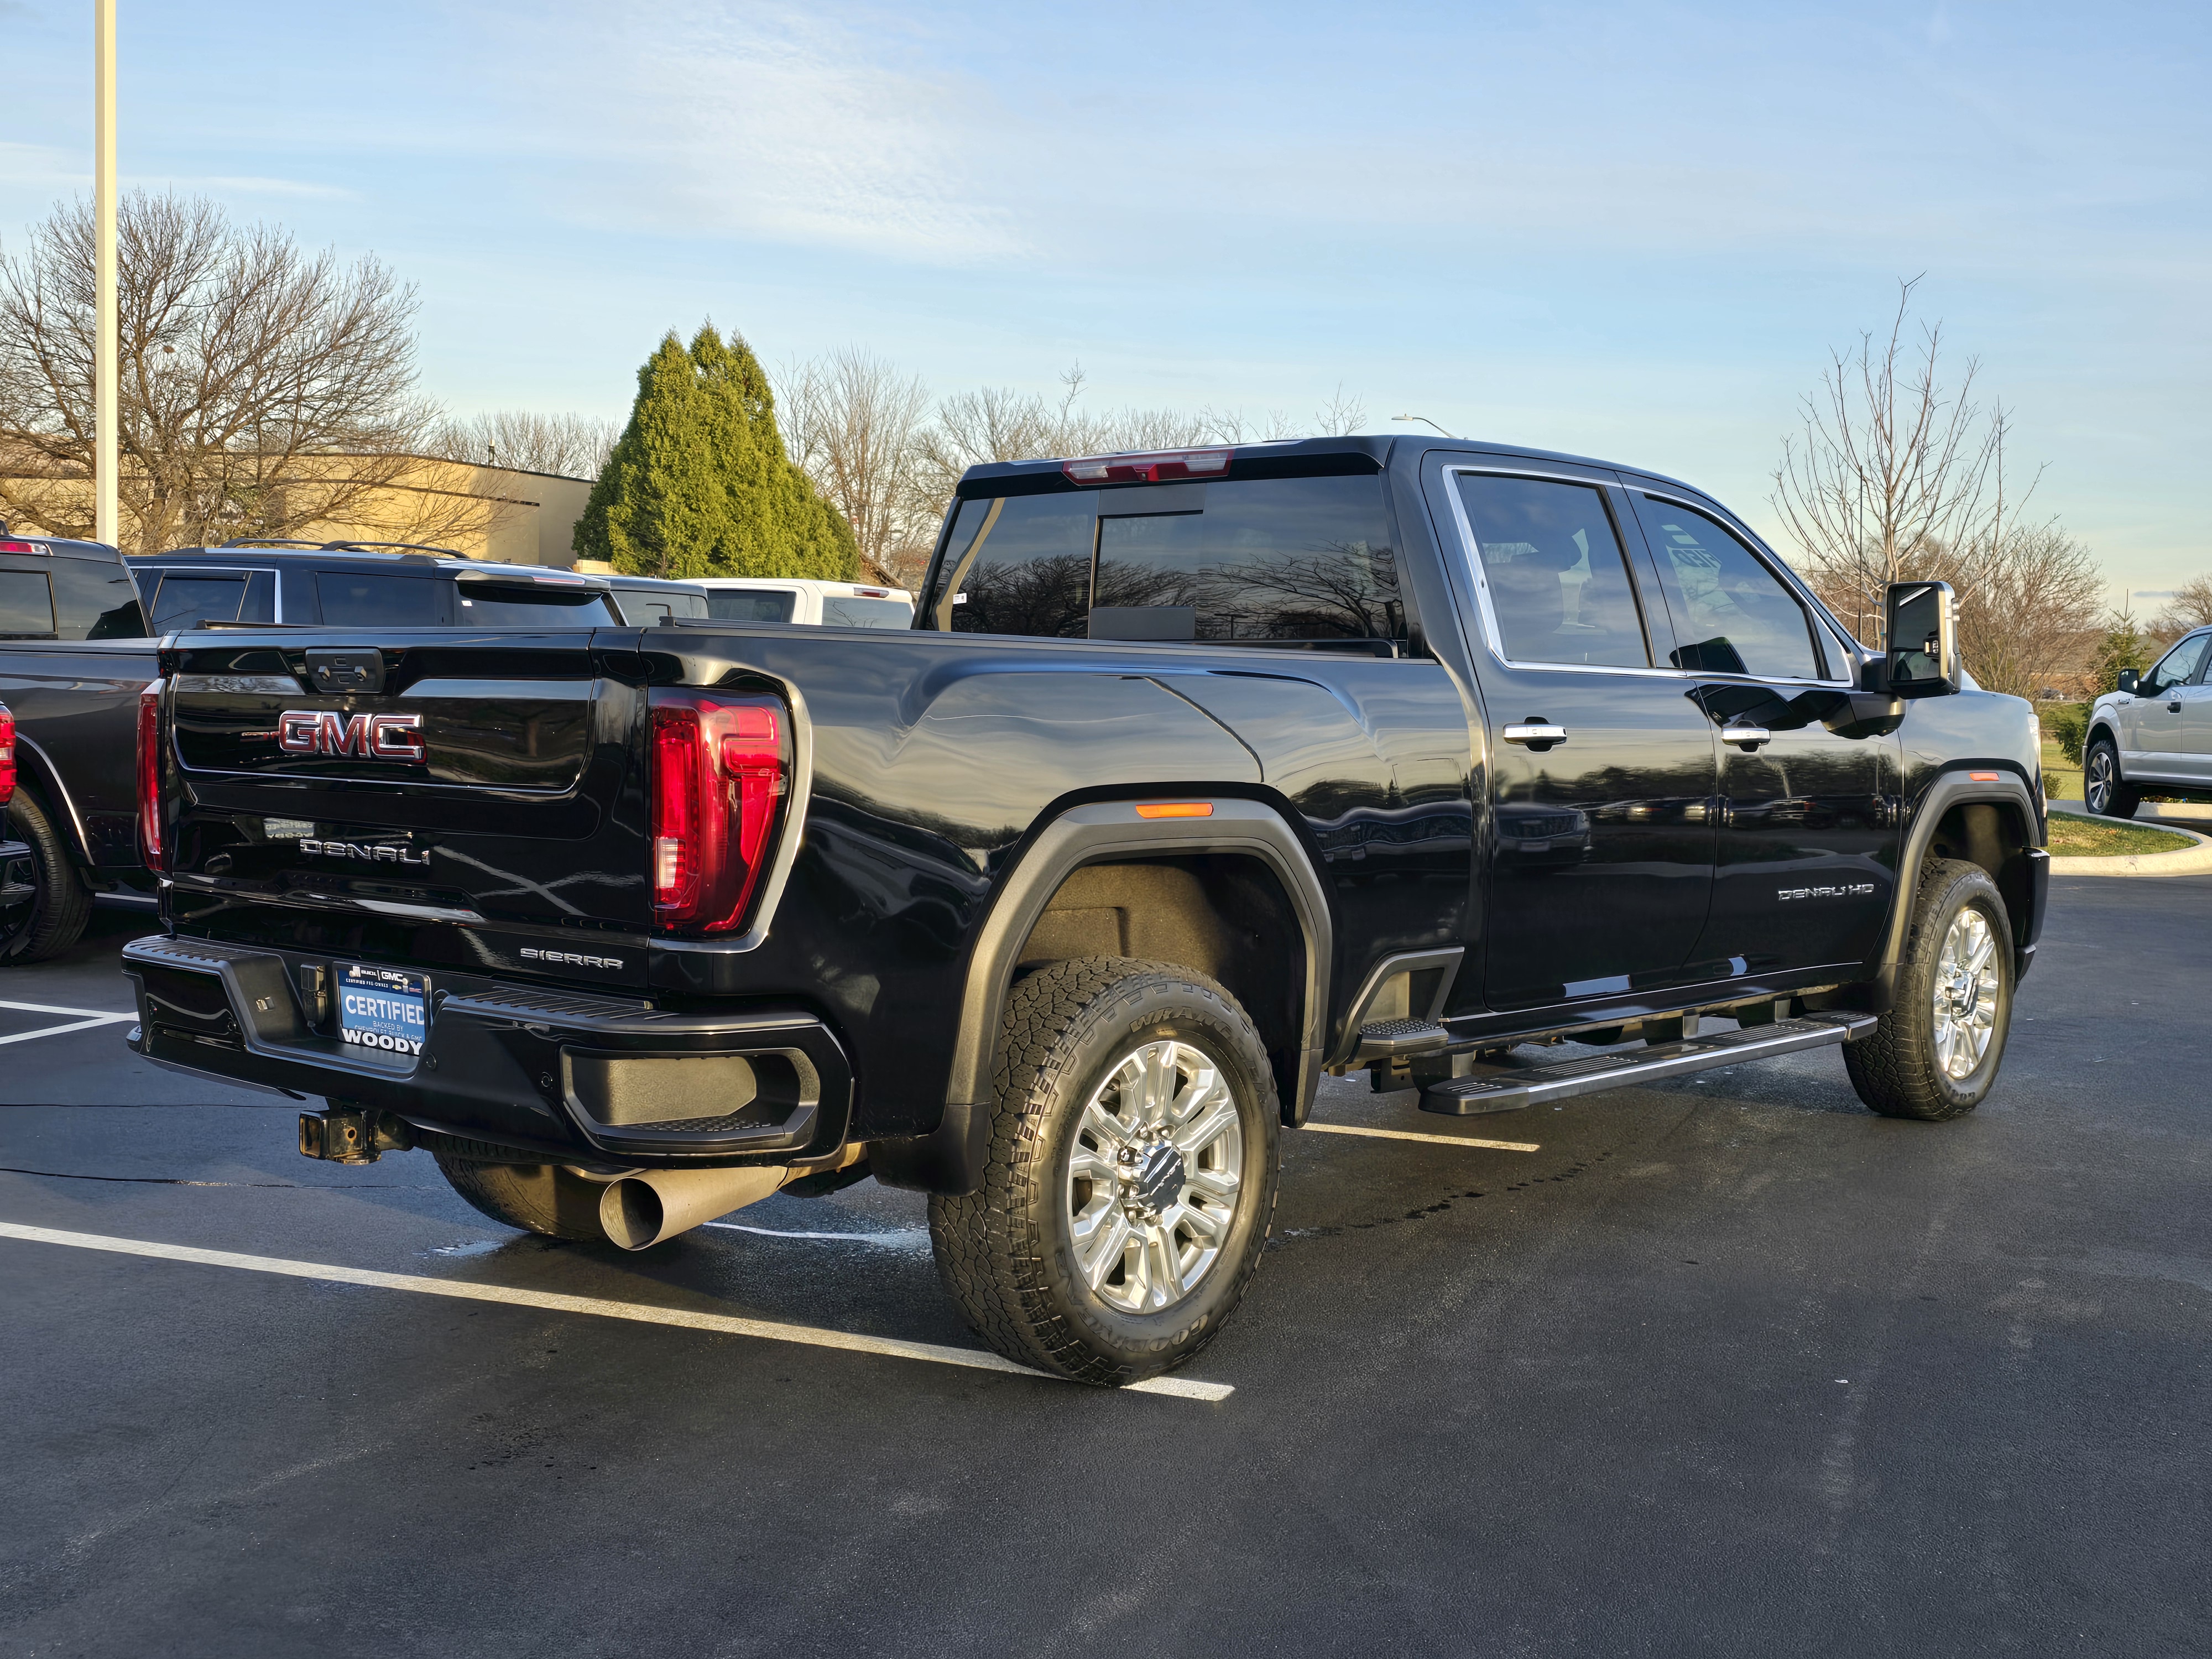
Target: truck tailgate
<point>415,796</point>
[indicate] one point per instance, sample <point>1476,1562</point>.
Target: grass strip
<point>2074,838</point>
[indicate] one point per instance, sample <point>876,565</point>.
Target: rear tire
<point>1132,1173</point>
<point>534,1198</point>
<point>1936,1053</point>
<point>54,918</point>
<point>2103,790</point>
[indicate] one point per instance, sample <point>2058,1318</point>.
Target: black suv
<point>360,585</point>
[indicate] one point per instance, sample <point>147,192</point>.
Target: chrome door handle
<point>1534,733</point>
<point>1749,736</point>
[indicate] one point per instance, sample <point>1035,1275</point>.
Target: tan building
<point>494,513</point>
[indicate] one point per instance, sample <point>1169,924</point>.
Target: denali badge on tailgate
<point>372,737</point>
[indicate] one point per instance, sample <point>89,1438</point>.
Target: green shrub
<point>2068,723</point>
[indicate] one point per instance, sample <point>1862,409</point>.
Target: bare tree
<point>2190,607</point>
<point>850,421</point>
<point>568,446</point>
<point>263,390</point>
<point>1894,468</point>
<point>2025,600</point>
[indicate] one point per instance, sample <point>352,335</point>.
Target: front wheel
<point>1934,1054</point>
<point>2103,791</point>
<point>1132,1173</point>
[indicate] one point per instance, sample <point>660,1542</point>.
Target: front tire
<point>1132,1173</point>
<point>1936,1053</point>
<point>52,919</point>
<point>2103,790</point>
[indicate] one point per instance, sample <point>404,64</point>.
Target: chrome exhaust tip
<point>648,1207</point>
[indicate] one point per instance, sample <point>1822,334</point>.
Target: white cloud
<point>794,127</point>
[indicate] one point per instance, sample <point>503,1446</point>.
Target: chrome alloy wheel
<point>2098,791</point>
<point>1153,1177</point>
<point>1967,975</point>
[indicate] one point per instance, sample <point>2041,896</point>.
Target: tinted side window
<point>1733,613</point>
<point>184,600</point>
<point>1019,564</point>
<point>26,604</point>
<point>1553,563</point>
<point>751,604</point>
<point>371,599</point>
<point>849,611</point>
<point>2177,667</point>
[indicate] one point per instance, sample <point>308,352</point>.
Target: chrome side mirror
<point>1922,640</point>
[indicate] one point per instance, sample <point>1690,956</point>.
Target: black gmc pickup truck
<point>1200,774</point>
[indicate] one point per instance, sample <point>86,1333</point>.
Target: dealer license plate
<point>386,1009</point>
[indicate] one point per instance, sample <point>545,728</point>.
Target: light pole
<point>103,213</point>
<point>1425,420</point>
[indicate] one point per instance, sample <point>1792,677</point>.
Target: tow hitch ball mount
<point>349,1135</point>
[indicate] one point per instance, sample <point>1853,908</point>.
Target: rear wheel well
<point>1995,835</point>
<point>1222,914</point>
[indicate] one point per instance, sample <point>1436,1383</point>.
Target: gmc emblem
<point>371,736</point>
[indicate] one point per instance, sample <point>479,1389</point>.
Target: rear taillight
<point>149,777</point>
<point>1158,466</point>
<point>717,773</point>
<point>7,757</point>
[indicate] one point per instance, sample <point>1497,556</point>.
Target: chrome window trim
<point>1470,553</point>
<point>1772,563</point>
<point>248,571</point>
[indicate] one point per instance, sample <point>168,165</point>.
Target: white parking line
<point>86,1019</point>
<point>1441,1140</point>
<point>1178,1387</point>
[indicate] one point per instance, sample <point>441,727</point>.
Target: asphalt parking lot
<point>1722,1366</point>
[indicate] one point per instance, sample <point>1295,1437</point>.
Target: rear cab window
<point>763,604</point>
<point>854,610</point>
<point>1269,561</point>
<point>27,606</point>
<point>483,604</point>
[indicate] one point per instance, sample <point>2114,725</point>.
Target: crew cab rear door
<point>472,786</point>
<point>1600,772</point>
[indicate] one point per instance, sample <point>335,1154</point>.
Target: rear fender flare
<point>43,776</point>
<point>951,1160</point>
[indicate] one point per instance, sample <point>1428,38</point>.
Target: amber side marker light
<point>1175,809</point>
<point>1982,777</point>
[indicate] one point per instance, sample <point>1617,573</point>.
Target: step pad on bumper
<point>1506,1091</point>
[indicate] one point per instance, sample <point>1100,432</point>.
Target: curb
<point>2185,811</point>
<point>2195,860</point>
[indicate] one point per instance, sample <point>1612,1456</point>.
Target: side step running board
<point>1507,1091</point>
<point>1397,1039</point>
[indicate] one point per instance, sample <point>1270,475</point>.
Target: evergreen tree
<point>2123,646</point>
<point>699,484</point>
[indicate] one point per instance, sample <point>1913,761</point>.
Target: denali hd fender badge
<point>382,852</point>
<point>1848,889</point>
<point>372,737</point>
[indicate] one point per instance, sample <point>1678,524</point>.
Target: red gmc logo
<point>371,736</point>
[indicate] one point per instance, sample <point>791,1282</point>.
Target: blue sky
<point>1631,230</point>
